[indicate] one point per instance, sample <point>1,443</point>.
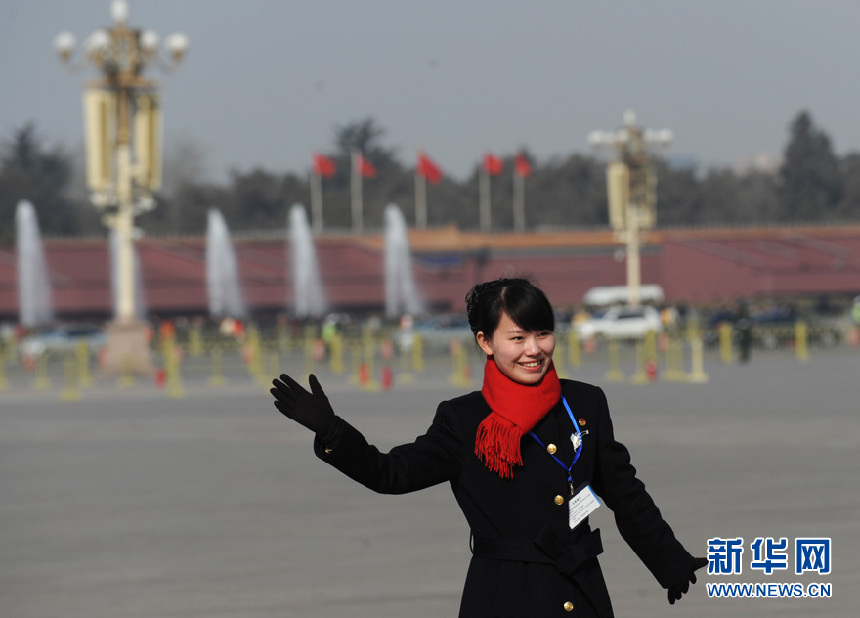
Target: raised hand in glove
<point>309,409</point>
<point>680,589</point>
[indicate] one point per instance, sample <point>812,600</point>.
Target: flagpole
<point>519,202</point>
<point>484,200</point>
<point>316,202</point>
<point>357,197</point>
<point>420,201</point>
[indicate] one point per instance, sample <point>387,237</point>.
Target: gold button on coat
<point>559,500</point>
<point>551,449</point>
<point>568,606</point>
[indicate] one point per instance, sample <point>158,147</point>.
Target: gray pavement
<point>132,504</point>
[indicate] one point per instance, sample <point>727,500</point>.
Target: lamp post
<point>122,121</point>
<point>632,189</point>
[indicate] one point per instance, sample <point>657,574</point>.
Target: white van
<point>606,296</point>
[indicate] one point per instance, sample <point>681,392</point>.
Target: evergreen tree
<point>849,205</point>
<point>810,183</point>
<point>757,197</point>
<point>679,196</point>
<point>30,172</point>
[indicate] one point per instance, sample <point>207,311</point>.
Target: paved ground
<point>131,504</point>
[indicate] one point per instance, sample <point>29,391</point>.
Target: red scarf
<point>516,410</point>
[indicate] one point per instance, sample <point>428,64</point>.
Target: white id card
<point>581,506</point>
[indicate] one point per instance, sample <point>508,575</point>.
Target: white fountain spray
<point>34,288</point>
<point>139,299</point>
<point>401,295</point>
<point>307,282</point>
<point>222,273</point>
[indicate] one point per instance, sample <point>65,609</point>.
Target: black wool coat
<point>526,559</point>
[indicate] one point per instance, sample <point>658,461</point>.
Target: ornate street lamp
<point>632,188</point>
<point>122,119</point>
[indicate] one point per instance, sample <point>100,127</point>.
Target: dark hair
<point>525,303</point>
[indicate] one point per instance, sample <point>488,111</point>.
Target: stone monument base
<point>127,350</point>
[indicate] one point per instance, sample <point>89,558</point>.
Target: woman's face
<point>521,355</point>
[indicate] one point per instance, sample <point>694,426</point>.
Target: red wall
<point>692,266</point>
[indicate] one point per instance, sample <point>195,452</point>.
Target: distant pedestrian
<point>525,457</point>
<point>744,326</point>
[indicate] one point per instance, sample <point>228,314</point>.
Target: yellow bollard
<point>725,343</point>
<point>171,367</point>
<point>308,344</point>
<point>4,383</point>
<point>367,341</point>
<point>355,362</point>
<point>574,348</point>
<point>274,367</point>
<point>42,381</point>
<point>369,382</point>
<point>195,343</point>
<point>460,374</point>
<point>417,353</point>
<point>650,347</point>
<point>640,377</point>
<point>801,347</point>
<point>70,382</point>
<point>561,357</point>
<point>261,377</point>
<point>82,354</point>
<point>336,352</point>
<point>10,353</point>
<point>674,360</point>
<point>283,337</point>
<point>250,348</point>
<point>614,374</point>
<point>217,377</point>
<point>697,352</point>
<point>405,376</point>
<point>126,377</point>
<point>255,357</point>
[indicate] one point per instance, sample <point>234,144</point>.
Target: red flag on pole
<point>492,164</point>
<point>364,167</point>
<point>427,168</point>
<point>522,165</point>
<point>324,166</point>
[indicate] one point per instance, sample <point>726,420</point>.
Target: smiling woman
<point>526,457</point>
<point>513,322</point>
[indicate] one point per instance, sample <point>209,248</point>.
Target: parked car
<point>622,322</point>
<point>775,327</point>
<point>436,331</point>
<point>62,339</point>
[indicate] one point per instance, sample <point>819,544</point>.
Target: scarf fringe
<point>497,445</point>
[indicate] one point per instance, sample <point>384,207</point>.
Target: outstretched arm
<point>432,458</point>
<point>639,520</point>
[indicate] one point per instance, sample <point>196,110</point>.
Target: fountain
<point>139,300</point>
<point>34,288</point>
<point>401,295</point>
<point>307,283</point>
<point>222,273</point>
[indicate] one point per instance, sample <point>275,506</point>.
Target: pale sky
<point>267,81</point>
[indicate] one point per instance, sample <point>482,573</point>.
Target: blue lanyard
<point>578,452</point>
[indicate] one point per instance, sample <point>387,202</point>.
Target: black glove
<point>309,409</point>
<point>680,589</point>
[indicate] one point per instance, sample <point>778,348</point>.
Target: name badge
<point>581,506</point>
